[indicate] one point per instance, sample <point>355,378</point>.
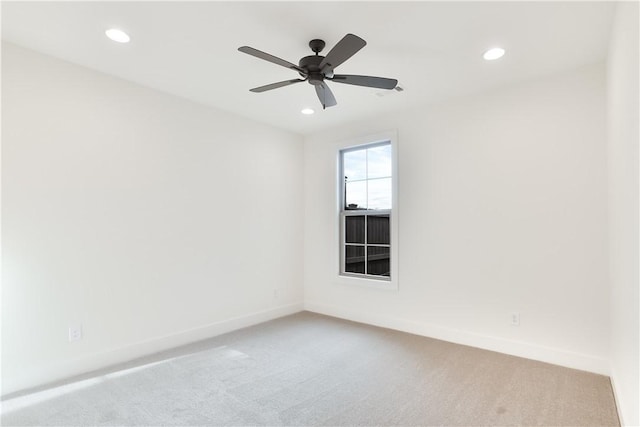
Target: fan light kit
<point>117,35</point>
<point>494,53</point>
<point>315,69</point>
<point>307,111</point>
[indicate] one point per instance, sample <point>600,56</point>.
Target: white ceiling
<point>434,49</point>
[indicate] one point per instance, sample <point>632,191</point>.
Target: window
<point>366,174</point>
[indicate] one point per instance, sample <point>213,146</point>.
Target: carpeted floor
<point>308,370</point>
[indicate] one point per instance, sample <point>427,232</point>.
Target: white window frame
<point>390,283</point>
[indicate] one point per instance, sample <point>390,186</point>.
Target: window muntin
<point>365,214</point>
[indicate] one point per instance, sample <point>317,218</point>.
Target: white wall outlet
<point>515,319</point>
<point>75,333</point>
<point>276,293</point>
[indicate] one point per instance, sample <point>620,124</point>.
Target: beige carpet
<point>308,369</point>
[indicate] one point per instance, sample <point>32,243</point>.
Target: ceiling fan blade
<point>345,49</point>
<point>268,57</point>
<point>275,85</point>
<point>325,95</point>
<point>368,81</point>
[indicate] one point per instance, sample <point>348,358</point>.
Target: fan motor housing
<point>312,65</point>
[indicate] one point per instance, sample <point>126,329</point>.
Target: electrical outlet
<point>75,333</point>
<point>276,293</point>
<point>515,319</point>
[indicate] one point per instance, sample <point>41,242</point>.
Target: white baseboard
<point>616,396</point>
<point>69,368</point>
<point>526,350</point>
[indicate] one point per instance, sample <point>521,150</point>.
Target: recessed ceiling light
<point>307,111</point>
<point>117,35</point>
<point>493,53</point>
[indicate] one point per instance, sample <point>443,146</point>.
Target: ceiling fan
<point>316,69</point>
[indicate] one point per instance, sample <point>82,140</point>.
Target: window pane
<point>354,229</point>
<point>355,164</point>
<point>354,259</point>
<point>378,261</point>
<point>378,229</point>
<point>379,193</point>
<point>356,195</point>
<point>379,162</point>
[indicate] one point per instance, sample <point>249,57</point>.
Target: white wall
<point>623,73</point>
<point>502,207</point>
<point>150,220</point>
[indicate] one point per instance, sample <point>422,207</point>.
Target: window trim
<point>356,279</point>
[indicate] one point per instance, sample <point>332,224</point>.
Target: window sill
<point>387,285</point>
